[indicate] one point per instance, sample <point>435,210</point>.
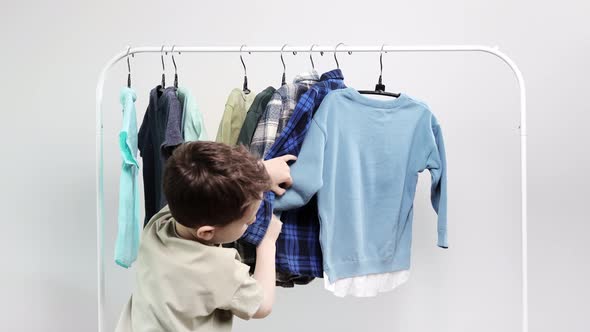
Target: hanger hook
<point>381,62</point>
<point>310,57</point>
<point>242,60</point>
<point>163,67</point>
<point>283,60</point>
<point>245,85</point>
<point>162,58</point>
<point>335,58</point>
<point>380,87</point>
<point>175,68</point>
<point>173,61</point>
<point>129,66</point>
<point>127,55</point>
<point>284,78</point>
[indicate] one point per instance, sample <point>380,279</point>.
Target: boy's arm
<point>264,272</point>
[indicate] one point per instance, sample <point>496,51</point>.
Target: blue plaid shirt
<point>298,245</point>
<point>278,110</point>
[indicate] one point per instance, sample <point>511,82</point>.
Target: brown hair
<point>208,183</point>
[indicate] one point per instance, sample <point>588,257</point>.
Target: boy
<point>185,280</point>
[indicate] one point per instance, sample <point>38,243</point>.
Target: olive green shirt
<point>236,108</point>
<point>184,285</point>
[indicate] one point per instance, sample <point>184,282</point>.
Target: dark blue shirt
<point>157,136</point>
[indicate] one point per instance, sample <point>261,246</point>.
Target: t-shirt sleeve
<point>247,298</point>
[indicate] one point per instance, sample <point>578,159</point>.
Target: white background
<point>52,53</point>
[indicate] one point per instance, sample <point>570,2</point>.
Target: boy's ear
<point>206,232</point>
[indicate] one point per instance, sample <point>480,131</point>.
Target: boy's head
<point>214,190</point>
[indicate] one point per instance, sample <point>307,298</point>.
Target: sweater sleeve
<point>437,165</point>
<point>306,172</point>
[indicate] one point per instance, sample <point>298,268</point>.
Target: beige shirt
<point>185,285</point>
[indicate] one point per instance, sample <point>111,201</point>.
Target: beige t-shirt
<point>184,285</point>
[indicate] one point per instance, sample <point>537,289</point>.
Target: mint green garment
<point>129,220</point>
<point>193,125</point>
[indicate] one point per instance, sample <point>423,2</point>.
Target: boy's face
<point>233,231</point>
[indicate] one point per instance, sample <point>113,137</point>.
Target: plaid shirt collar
<point>335,74</point>
<point>310,77</point>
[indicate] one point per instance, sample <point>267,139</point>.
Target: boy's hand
<point>273,230</point>
<point>279,172</point>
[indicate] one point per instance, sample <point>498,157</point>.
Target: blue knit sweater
<point>362,157</point>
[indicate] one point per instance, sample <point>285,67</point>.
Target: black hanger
<point>129,67</point>
<point>380,87</point>
<point>245,87</point>
<point>175,69</point>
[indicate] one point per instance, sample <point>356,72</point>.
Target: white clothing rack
<point>319,48</point>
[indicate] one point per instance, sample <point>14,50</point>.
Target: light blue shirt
<point>129,221</point>
<point>362,157</point>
